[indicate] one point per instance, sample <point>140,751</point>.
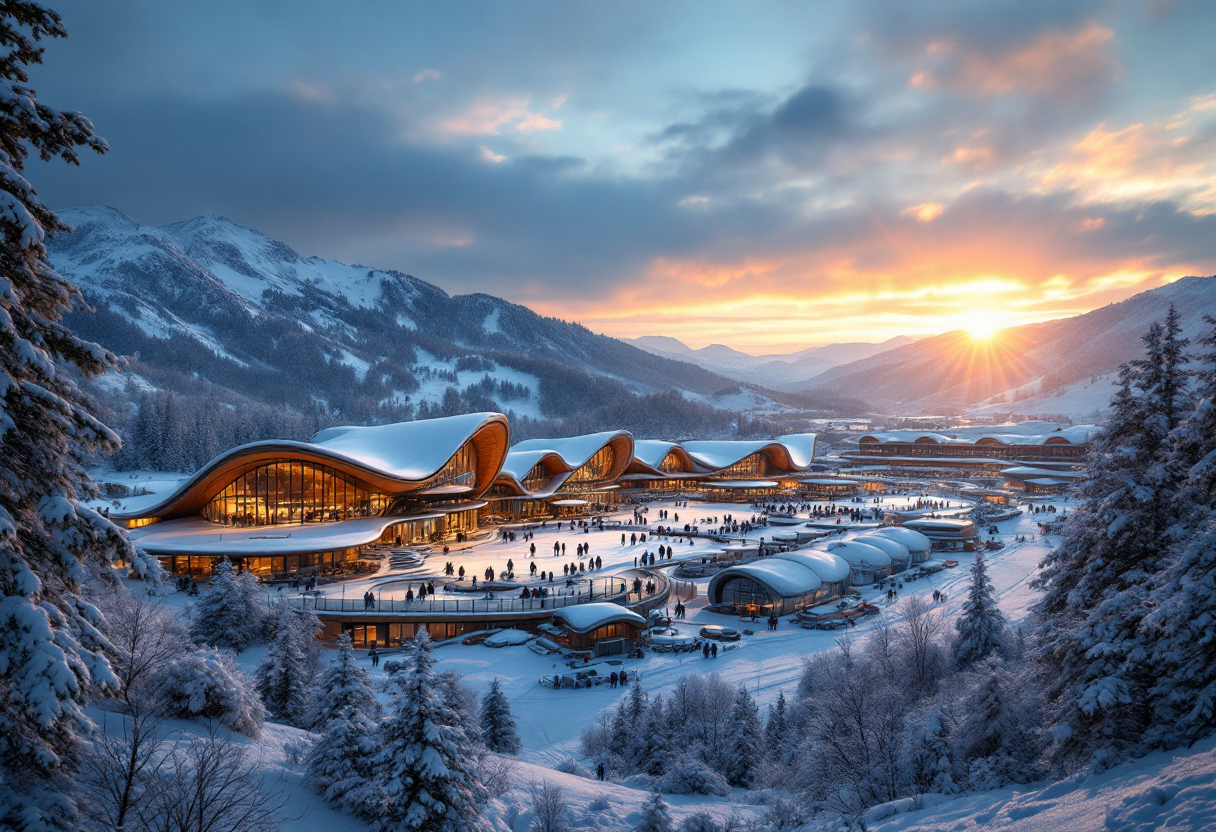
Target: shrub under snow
<point>691,776</point>
<point>206,684</point>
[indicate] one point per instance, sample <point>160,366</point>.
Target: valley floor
<point>1152,791</point>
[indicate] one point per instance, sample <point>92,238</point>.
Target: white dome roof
<point>858,554</point>
<point>913,540</point>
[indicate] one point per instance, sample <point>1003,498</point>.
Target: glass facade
<point>461,469</point>
<point>596,468</point>
<point>292,491</point>
<point>671,463</point>
<point>751,467</point>
<point>536,479</point>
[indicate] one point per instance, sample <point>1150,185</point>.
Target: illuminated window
<point>292,491</point>
<point>596,468</point>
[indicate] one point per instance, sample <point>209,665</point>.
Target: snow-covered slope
<point>1166,790</point>
<point>779,371</point>
<point>1023,368</point>
<point>209,300</point>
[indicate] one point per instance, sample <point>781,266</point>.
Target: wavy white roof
<point>894,549</point>
<point>405,450</point>
<point>198,537</point>
<point>829,567</point>
<point>1074,434</point>
<point>568,454</point>
<point>574,450</point>
<point>651,451</point>
<point>785,578</point>
<point>912,540</point>
<point>857,554</point>
<point>718,454</point>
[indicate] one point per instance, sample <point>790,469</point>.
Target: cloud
<point>487,116</point>
<point>427,75</point>
<point>1067,66</point>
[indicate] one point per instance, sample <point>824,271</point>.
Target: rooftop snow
<point>583,618</point>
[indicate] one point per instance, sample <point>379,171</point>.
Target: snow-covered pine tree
<point>656,754</point>
<point>1090,638</point>
<point>745,739</point>
<point>982,628</point>
<point>463,702</point>
<point>50,542</point>
<point>1183,625</point>
<point>228,612</point>
<point>996,737</point>
<point>425,777</point>
<point>655,816</point>
<point>343,685</point>
<point>775,728</point>
<point>926,760</point>
<point>497,724</point>
<point>282,677</point>
<point>339,762</point>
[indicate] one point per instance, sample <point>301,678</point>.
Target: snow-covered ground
<point>1141,795</point>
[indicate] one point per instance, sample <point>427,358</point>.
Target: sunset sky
<point>764,175</point>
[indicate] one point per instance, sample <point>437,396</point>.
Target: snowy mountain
<point>779,371</point>
<point>207,304</point>
<point>1058,367</point>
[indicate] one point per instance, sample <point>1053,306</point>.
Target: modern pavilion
<point>546,477</point>
<point>284,507</point>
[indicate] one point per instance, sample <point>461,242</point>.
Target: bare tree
<point>920,642</point>
<point>145,635</point>
<point>211,785</point>
<point>549,808</point>
<point>116,769</point>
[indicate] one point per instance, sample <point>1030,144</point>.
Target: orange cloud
<point>709,275</point>
<point>1060,63</point>
<point>1156,160</point>
<point>925,212</point>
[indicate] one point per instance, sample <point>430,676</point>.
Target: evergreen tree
<point>655,816</point>
<point>229,611</point>
<point>50,542</point>
<point>746,737</point>
<point>424,776</point>
<point>497,724</point>
<point>1183,625</point>
<point>656,753</point>
<point>775,728</point>
<point>926,761</point>
<point>982,628</point>
<point>463,702</point>
<point>340,761</point>
<point>1091,639</point>
<point>996,738</point>
<point>282,677</point>
<point>345,685</point>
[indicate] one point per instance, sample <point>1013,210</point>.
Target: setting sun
<point>982,324</point>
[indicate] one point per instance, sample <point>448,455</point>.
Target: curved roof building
<point>915,542</point>
<point>901,556</point>
<point>656,459</point>
<point>789,454</point>
<point>570,472</point>
<point>781,584</point>
<point>344,488</point>
<point>866,562</point>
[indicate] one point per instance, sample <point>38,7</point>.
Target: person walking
<point>705,650</point>
<point>713,651</point>
<point>375,654</point>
